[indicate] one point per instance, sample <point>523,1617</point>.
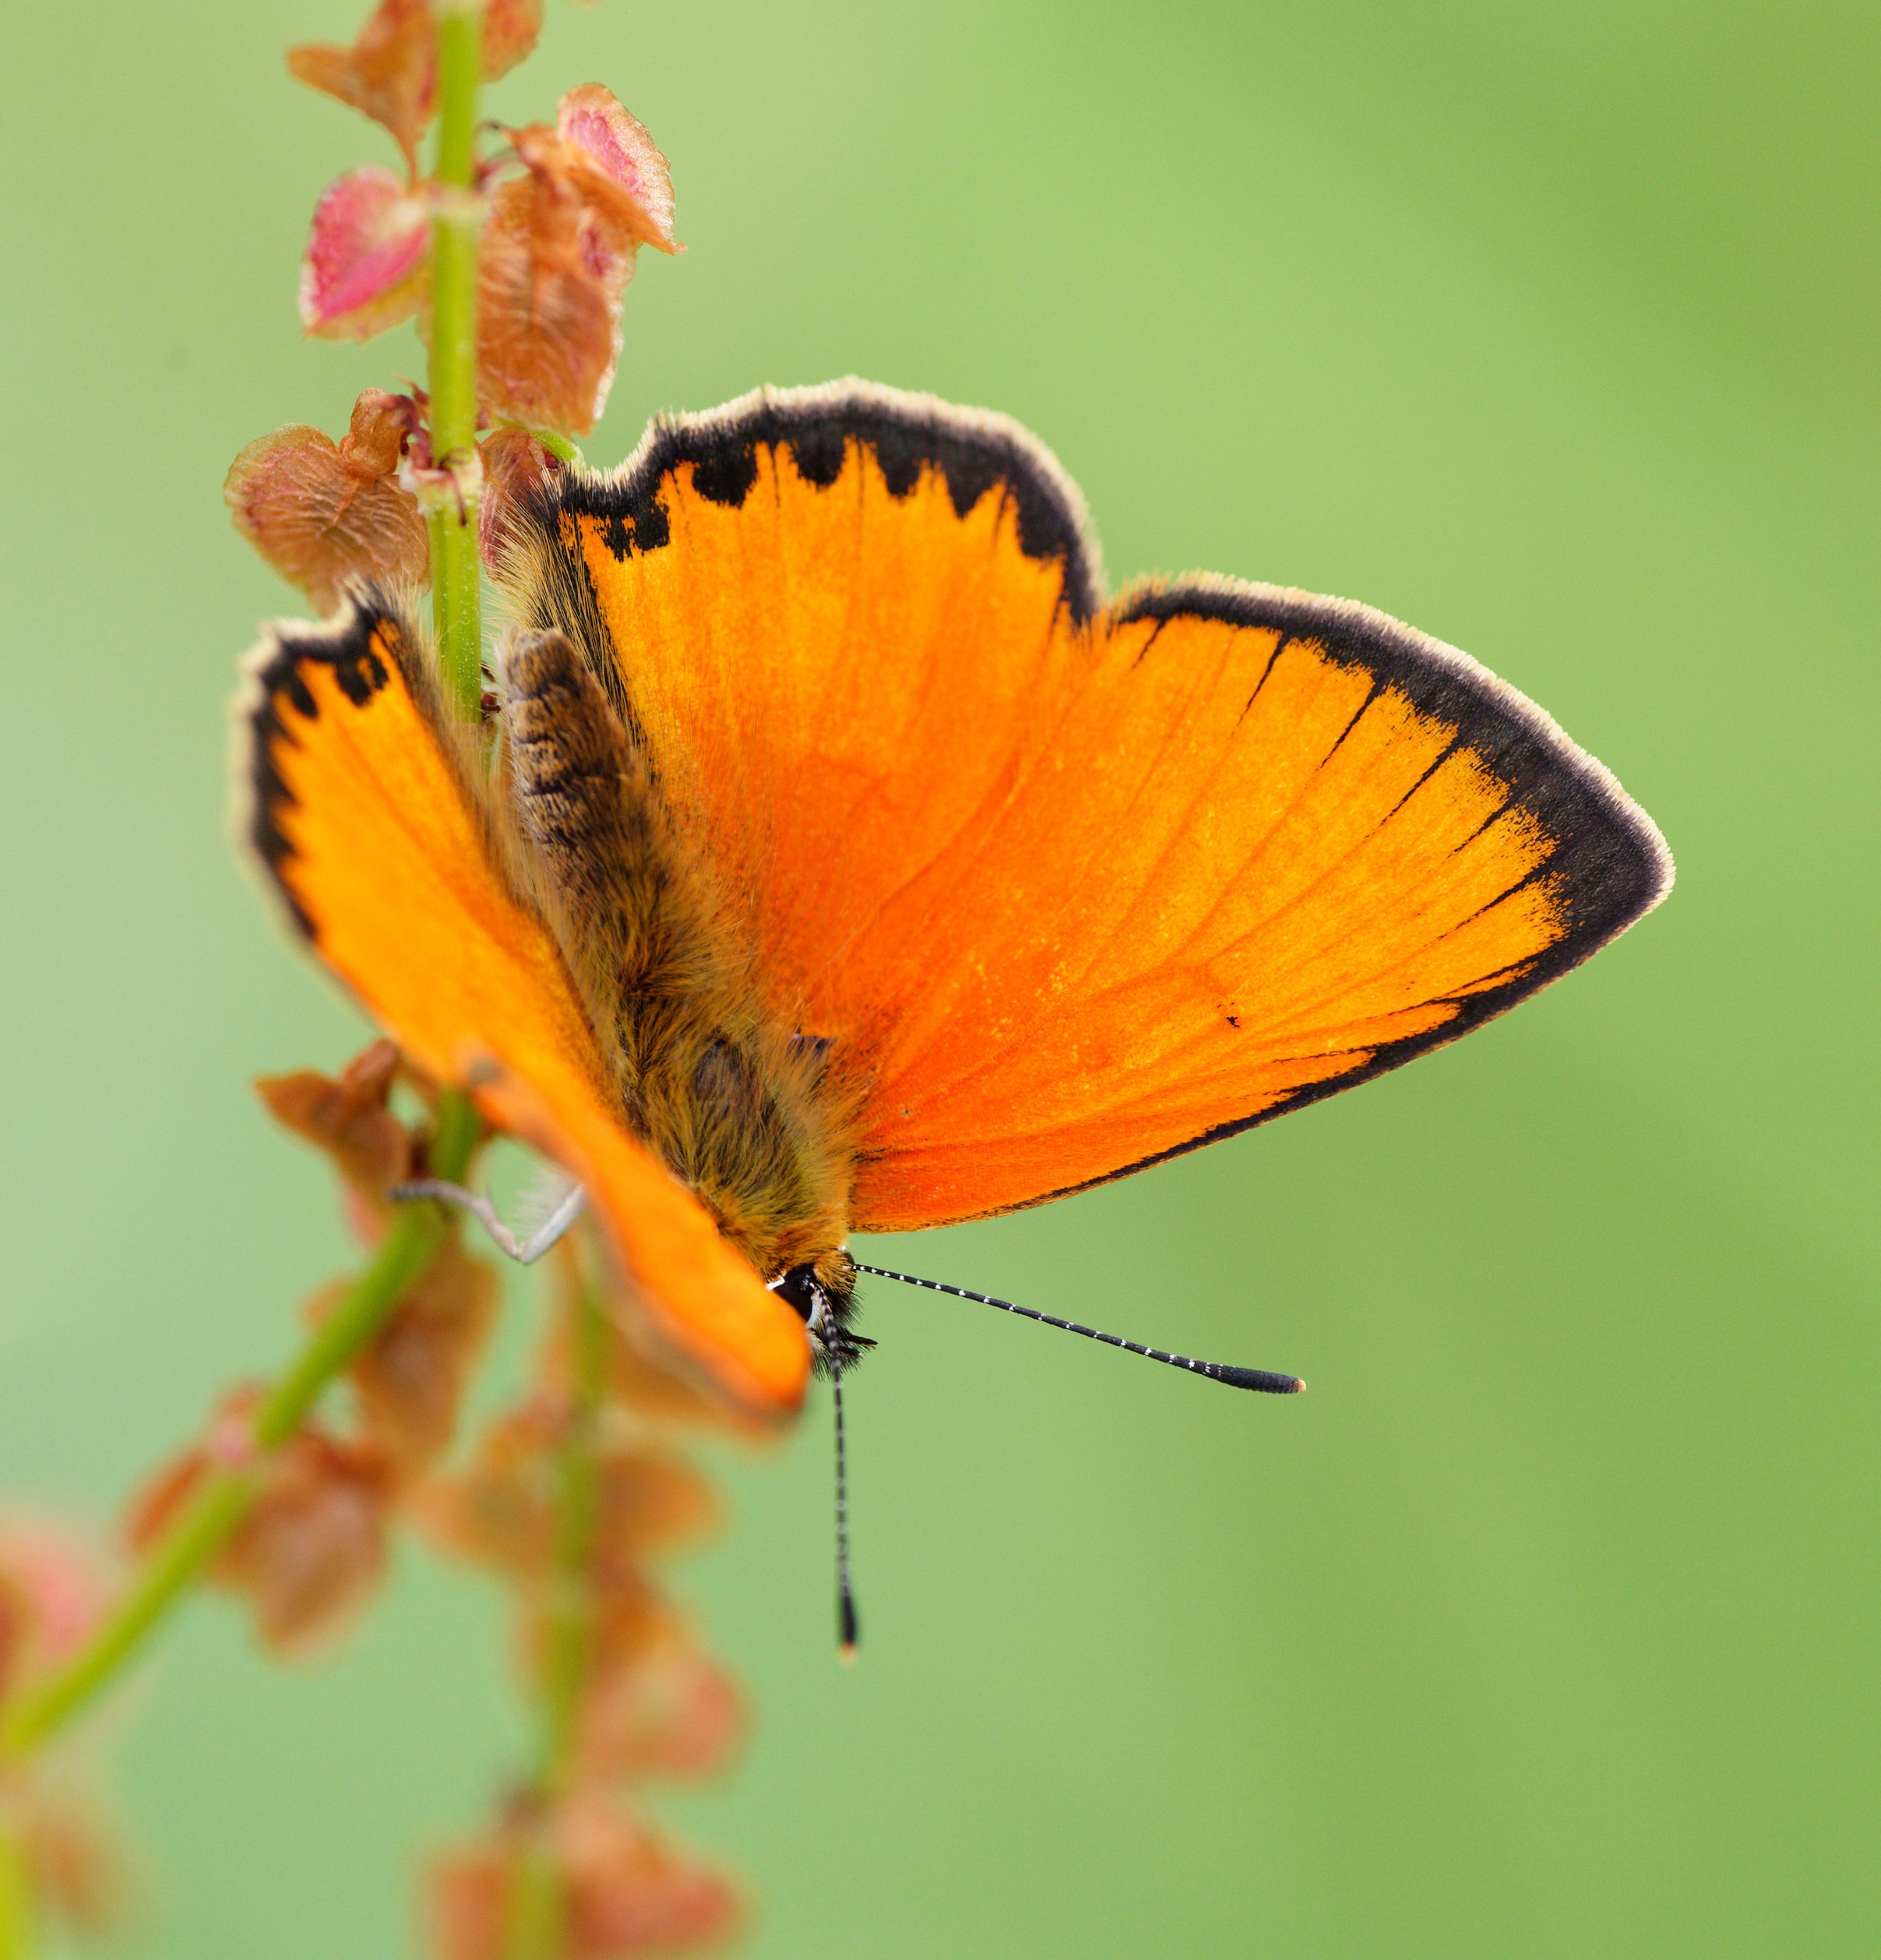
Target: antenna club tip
<point>1299,1387</point>
<point>848,1652</point>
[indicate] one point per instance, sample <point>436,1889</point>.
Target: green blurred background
<point>1546,1624</point>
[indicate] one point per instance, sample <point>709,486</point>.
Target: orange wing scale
<point>1069,889</point>
<point>364,821</point>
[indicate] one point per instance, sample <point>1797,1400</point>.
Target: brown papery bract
<point>618,162</point>
<point>77,1869</point>
<point>389,73</point>
<point>510,30</point>
<point>348,1116</point>
<point>515,465</point>
<point>501,1510</point>
<point>326,514</point>
<point>548,308</point>
<point>558,252</point>
<point>312,1548</point>
<point>51,1594</point>
<point>664,1708</point>
<point>628,1892</point>
<point>410,1380</point>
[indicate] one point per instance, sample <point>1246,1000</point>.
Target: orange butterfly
<point>851,864</point>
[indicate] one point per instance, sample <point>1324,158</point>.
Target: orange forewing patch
<point>366,826</point>
<point>1068,890</point>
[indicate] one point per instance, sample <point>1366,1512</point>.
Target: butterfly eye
<point>801,1289</point>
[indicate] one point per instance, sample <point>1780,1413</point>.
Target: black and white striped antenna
<point>848,1630</point>
<point>1260,1379</point>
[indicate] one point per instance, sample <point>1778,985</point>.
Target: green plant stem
<point>16,1915</point>
<point>456,227</point>
<point>570,1655</point>
<point>534,1929</point>
<point>535,1914</point>
<point>222,1499</point>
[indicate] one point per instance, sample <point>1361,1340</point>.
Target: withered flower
<point>410,1379</point>
<point>325,514</point>
<point>312,1548</point>
<point>368,256</point>
<point>389,73</point>
<point>627,1891</point>
<point>501,1510</point>
<point>514,463</point>
<point>559,249</point>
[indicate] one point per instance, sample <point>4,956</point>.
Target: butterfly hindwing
<point>360,808</point>
<point>1065,889</point>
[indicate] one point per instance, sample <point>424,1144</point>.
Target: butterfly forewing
<point>364,816</point>
<point>1066,890</point>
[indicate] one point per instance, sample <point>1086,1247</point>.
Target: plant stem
<point>457,225</point>
<point>16,1916</point>
<point>222,1499</point>
<point>559,446</point>
<point>536,1909</point>
<point>571,1628</point>
<point>534,1922</point>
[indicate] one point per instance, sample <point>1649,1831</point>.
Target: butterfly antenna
<point>848,1630</point>
<point>1258,1379</point>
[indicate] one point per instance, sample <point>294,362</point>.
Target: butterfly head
<point>822,1292</point>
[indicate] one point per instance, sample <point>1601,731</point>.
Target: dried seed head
<point>51,1594</point>
<point>515,466</point>
<point>312,1548</point>
<point>368,260</point>
<point>411,1379</point>
<point>664,1709</point>
<point>389,73</point>
<point>628,1892</point>
<point>325,514</point>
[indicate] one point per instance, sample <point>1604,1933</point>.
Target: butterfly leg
<point>525,1251</point>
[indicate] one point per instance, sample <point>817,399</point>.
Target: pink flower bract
<point>368,255</point>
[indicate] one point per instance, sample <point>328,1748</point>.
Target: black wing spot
<point>821,452</point>
<point>639,523</point>
<point>727,477</point>
<point>360,672</point>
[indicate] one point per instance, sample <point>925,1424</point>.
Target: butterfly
<point>850,862</point>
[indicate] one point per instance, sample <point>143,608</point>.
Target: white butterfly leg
<point>524,1251</point>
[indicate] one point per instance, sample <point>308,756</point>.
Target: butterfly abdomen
<point>731,1105</point>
